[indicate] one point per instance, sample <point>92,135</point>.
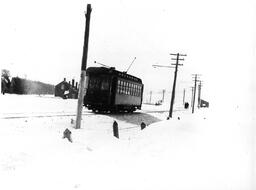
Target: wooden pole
<point>83,68</point>
<point>174,85</point>
<point>184,96</point>
<point>150,97</point>
<point>163,96</point>
<point>199,94</point>
<point>194,96</point>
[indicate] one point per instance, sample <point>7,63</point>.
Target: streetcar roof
<point>112,71</point>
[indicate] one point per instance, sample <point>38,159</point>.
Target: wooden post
<point>142,125</point>
<point>115,129</point>
<point>83,68</point>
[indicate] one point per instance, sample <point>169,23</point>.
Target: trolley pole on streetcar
<point>83,68</point>
<point>175,78</point>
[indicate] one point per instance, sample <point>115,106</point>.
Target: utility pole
<point>184,92</point>
<point>150,97</point>
<point>177,59</point>
<point>192,95</point>
<point>199,94</point>
<point>195,80</point>
<point>83,68</point>
<point>163,96</point>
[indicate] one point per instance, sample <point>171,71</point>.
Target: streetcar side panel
<point>128,93</point>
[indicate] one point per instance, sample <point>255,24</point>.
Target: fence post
<point>142,125</point>
<point>115,129</point>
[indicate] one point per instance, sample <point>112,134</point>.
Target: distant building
<point>66,90</point>
<point>25,86</point>
<point>204,104</point>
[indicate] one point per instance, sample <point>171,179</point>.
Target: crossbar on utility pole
<point>83,68</point>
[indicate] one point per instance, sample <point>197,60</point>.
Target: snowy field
<point>207,150</point>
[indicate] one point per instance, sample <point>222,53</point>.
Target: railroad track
<point>69,114</point>
<point>38,115</point>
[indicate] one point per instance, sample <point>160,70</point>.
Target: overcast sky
<point>43,40</point>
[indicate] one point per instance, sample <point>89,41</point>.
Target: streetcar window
<point>118,86</point>
<point>132,89</point>
<point>122,87</point>
<point>125,87</point>
<point>104,83</point>
<point>128,88</point>
<point>139,90</point>
<point>95,83</point>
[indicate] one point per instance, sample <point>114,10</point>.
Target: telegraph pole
<point>199,94</point>
<point>163,96</point>
<point>184,92</point>
<point>192,95</point>
<point>83,68</point>
<point>177,59</point>
<point>150,97</point>
<point>195,80</point>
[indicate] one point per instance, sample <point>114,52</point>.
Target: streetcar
<point>109,90</point>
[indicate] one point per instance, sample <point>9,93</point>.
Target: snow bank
<point>205,150</point>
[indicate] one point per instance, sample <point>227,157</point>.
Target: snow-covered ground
<point>206,150</point>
